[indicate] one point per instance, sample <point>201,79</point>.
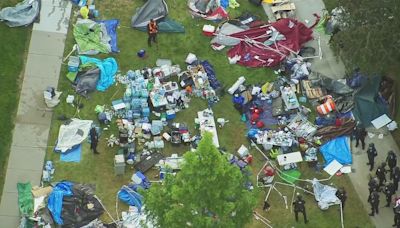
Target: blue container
<point>170,115</point>
<point>146,112</point>
<point>141,53</point>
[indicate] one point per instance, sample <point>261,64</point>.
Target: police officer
<point>359,134</point>
<point>396,211</point>
<point>391,160</point>
<point>342,195</point>
<point>371,153</point>
<point>373,185</point>
<point>396,178</point>
<point>373,200</point>
<point>389,191</point>
<point>299,207</point>
<point>381,174</point>
<point>94,139</point>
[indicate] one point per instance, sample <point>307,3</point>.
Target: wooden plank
<point>285,7</point>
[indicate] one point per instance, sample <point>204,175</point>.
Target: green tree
<point>370,38</point>
<point>207,192</point>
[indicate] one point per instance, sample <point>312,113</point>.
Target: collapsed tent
<point>208,9</point>
<point>25,199</point>
<point>369,104</point>
<point>72,134</point>
<point>86,81</point>
<point>96,37</point>
<point>74,205</point>
<point>266,45</point>
<point>337,149</point>
<point>23,14</point>
<point>325,195</point>
<point>108,68</point>
<point>156,10</point>
<point>128,195</point>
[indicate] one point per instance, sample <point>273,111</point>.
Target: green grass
<point>13,45</point>
<point>99,169</point>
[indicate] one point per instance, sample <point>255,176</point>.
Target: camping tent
<point>267,45</point>
<point>157,10</point>
<point>23,14</point>
<point>368,103</point>
<point>337,149</point>
<point>208,9</point>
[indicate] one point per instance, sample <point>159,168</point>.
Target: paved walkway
<point>329,66</point>
<point>32,123</point>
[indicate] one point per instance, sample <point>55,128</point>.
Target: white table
<point>207,124</point>
<point>285,159</point>
<point>381,121</point>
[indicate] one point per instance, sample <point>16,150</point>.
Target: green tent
<point>368,105</point>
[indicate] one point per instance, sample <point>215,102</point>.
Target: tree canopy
<point>207,192</point>
<point>370,38</point>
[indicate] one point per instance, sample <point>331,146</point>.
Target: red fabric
<point>296,37</point>
<point>217,14</point>
<point>249,159</point>
<point>254,117</point>
<point>260,124</point>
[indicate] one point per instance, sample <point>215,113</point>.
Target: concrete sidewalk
<point>32,123</point>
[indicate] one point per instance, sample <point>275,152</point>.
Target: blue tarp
<point>55,201</point>
<point>337,149</point>
<point>214,83</point>
<point>72,155</point>
<point>108,68</point>
<point>130,197</point>
<point>224,3</point>
<point>111,26</point>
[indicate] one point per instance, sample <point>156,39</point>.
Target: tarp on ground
<point>325,195</point>
<point>72,155</point>
<point>337,149</point>
<point>207,9</point>
<point>212,79</point>
<point>72,134</point>
<point>108,68</point>
<point>86,81</point>
<point>152,9</point>
<point>252,51</point>
<point>23,14</point>
<point>166,25</point>
<point>25,199</point>
<point>291,176</point>
<point>223,37</point>
<point>111,27</point>
<point>128,195</point>
<point>55,200</point>
<point>368,105</point>
<point>92,38</point>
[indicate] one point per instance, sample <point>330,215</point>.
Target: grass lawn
<point>13,46</point>
<point>98,169</point>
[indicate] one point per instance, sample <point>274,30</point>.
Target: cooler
<point>119,164</point>
<point>170,115</point>
<point>208,30</point>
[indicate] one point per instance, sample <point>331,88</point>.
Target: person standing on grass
<point>391,160</point>
<point>342,195</point>
<point>152,30</point>
<point>299,206</point>
<point>94,139</point>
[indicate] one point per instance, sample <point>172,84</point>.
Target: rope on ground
<point>105,209</point>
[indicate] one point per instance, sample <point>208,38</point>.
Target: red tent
<point>254,53</point>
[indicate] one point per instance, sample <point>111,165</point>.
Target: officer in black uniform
<point>396,178</point>
<point>371,152</point>
<point>359,134</point>
<point>389,191</point>
<point>396,211</point>
<point>391,160</point>
<point>342,195</point>
<point>381,174</point>
<point>373,200</point>
<point>299,207</point>
<point>373,185</point>
<point>94,139</point>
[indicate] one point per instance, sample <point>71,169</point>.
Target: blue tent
<point>337,149</point>
<point>129,196</point>
<point>108,68</point>
<point>111,27</point>
<point>55,201</point>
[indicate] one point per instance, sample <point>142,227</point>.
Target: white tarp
<point>73,133</point>
<point>23,14</point>
<point>325,195</point>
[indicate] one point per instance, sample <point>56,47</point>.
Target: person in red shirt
<point>152,30</point>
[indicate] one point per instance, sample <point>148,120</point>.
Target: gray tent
<point>24,13</point>
<point>152,9</point>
